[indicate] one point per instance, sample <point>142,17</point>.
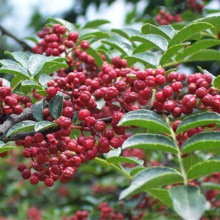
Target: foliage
<point>109,108</point>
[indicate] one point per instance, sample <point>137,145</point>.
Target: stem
<point>173,135</point>
<point>21,42</point>
<point>171,64</point>
<point>153,98</point>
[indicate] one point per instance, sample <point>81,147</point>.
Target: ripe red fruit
<point>159,96</point>
<point>38,137</point>
<point>84,44</point>
<point>73,36</point>
<point>34,180</point>
<point>51,91</point>
<point>64,122</point>
<point>201,92</point>
<point>26,174</point>
<point>4,154</point>
<point>83,113</point>
<point>160,79</point>
<point>100,126</point>
<point>49,182</point>
<point>21,167</point>
<point>167,91</point>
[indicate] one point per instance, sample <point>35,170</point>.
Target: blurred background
<point>23,18</point>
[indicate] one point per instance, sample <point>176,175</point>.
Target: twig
<point>22,43</point>
<point>21,136</point>
<point>14,119</point>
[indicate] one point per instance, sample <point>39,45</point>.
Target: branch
<point>14,119</point>
<point>21,136</point>
<point>22,43</point>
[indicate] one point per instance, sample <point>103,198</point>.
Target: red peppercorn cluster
<point>212,195</point>
<point>80,215</point>
<point>97,188</point>
<point>57,41</point>
<point>196,5</point>
<point>165,18</point>
<point>11,103</point>
<point>108,213</point>
<point>51,159</point>
<point>34,213</point>
<point>117,87</point>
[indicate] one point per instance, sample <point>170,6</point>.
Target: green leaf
<point>150,141</point>
<point>42,125</point>
<point>69,26</point>
<point>5,62</point>
<point>56,106</point>
<point>188,31</point>
<point>190,160</point>
<point>145,119</point>
<point>15,70</point>
<point>216,82</point>
<point>136,170</point>
<point>44,78</point>
<point>204,168</point>
<point>169,30</point>
<point>210,185</point>
<point>122,47</point>
<point>151,178</point>
<point>16,80</point>
<point>98,60</point>
<point>188,202</point>
<point>33,39</point>
<point>162,195</point>
<point>4,147</point>
<point>171,52</point>
<point>148,59</point>
<point>152,29</point>
<point>36,63</point>
<point>51,66</point>
<point>143,48</point>
<point>198,119</point>
<point>203,55</point>
<point>205,141</point>
<point>30,84</point>
<point>120,159</point>
<point>213,20</point>
<point>38,110</point>
<point>153,40</point>
<point>95,23</point>
<point>126,32</point>
<point>203,44</point>
<point>20,57</point>
<point>113,153</point>
<point>86,33</point>
<point>23,126</point>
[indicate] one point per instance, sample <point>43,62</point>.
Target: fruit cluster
<point>116,87</point>
<point>108,213</point>
<point>56,41</point>
<point>12,103</point>
<point>196,5</point>
<point>165,18</point>
<point>80,215</point>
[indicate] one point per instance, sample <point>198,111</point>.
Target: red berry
<point>26,174</point>
<point>49,182</point>
<point>34,180</point>
<point>51,91</point>
<point>83,113</point>
<point>84,44</point>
